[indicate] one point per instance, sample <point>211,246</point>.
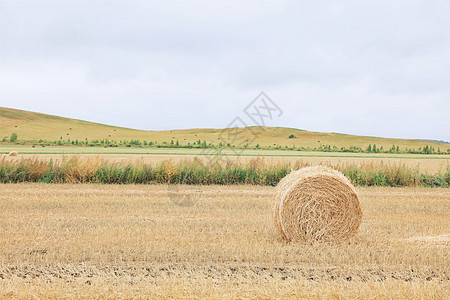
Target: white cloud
<point>372,68</point>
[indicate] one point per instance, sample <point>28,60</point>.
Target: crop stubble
<point>132,241</point>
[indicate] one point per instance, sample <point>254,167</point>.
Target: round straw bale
<point>316,203</point>
<point>13,153</point>
<point>281,187</point>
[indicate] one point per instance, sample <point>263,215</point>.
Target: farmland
<point>29,149</point>
<point>67,232</point>
<point>224,150</point>
<point>425,163</point>
<point>138,241</point>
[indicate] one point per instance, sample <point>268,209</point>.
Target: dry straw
<point>316,203</point>
<point>13,153</point>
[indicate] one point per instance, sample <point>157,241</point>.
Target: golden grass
<point>35,126</point>
<point>424,165</point>
<point>134,241</point>
<point>195,171</point>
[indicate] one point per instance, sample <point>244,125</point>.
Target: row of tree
<point>371,148</point>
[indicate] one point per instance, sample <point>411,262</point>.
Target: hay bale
<point>316,203</point>
<point>13,153</point>
<point>281,187</point>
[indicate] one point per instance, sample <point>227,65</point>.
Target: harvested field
<point>138,241</point>
<point>430,165</point>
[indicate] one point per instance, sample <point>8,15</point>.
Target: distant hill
<point>437,141</point>
<point>31,126</point>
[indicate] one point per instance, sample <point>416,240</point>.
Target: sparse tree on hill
<point>13,137</point>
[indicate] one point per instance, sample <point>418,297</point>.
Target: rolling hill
<point>32,126</point>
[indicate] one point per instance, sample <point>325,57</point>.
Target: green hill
<point>31,126</point>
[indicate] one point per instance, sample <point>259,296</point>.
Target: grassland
<point>103,241</point>
<point>32,126</point>
<point>133,241</point>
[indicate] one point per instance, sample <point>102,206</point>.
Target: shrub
<point>13,137</point>
<point>256,171</point>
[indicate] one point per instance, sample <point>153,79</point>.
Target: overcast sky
<point>378,68</point>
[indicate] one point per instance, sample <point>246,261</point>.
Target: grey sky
<point>376,68</point>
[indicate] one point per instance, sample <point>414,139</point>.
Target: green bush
<point>256,172</point>
<point>13,137</point>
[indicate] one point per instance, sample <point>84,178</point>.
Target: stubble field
<point>140,241</point>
